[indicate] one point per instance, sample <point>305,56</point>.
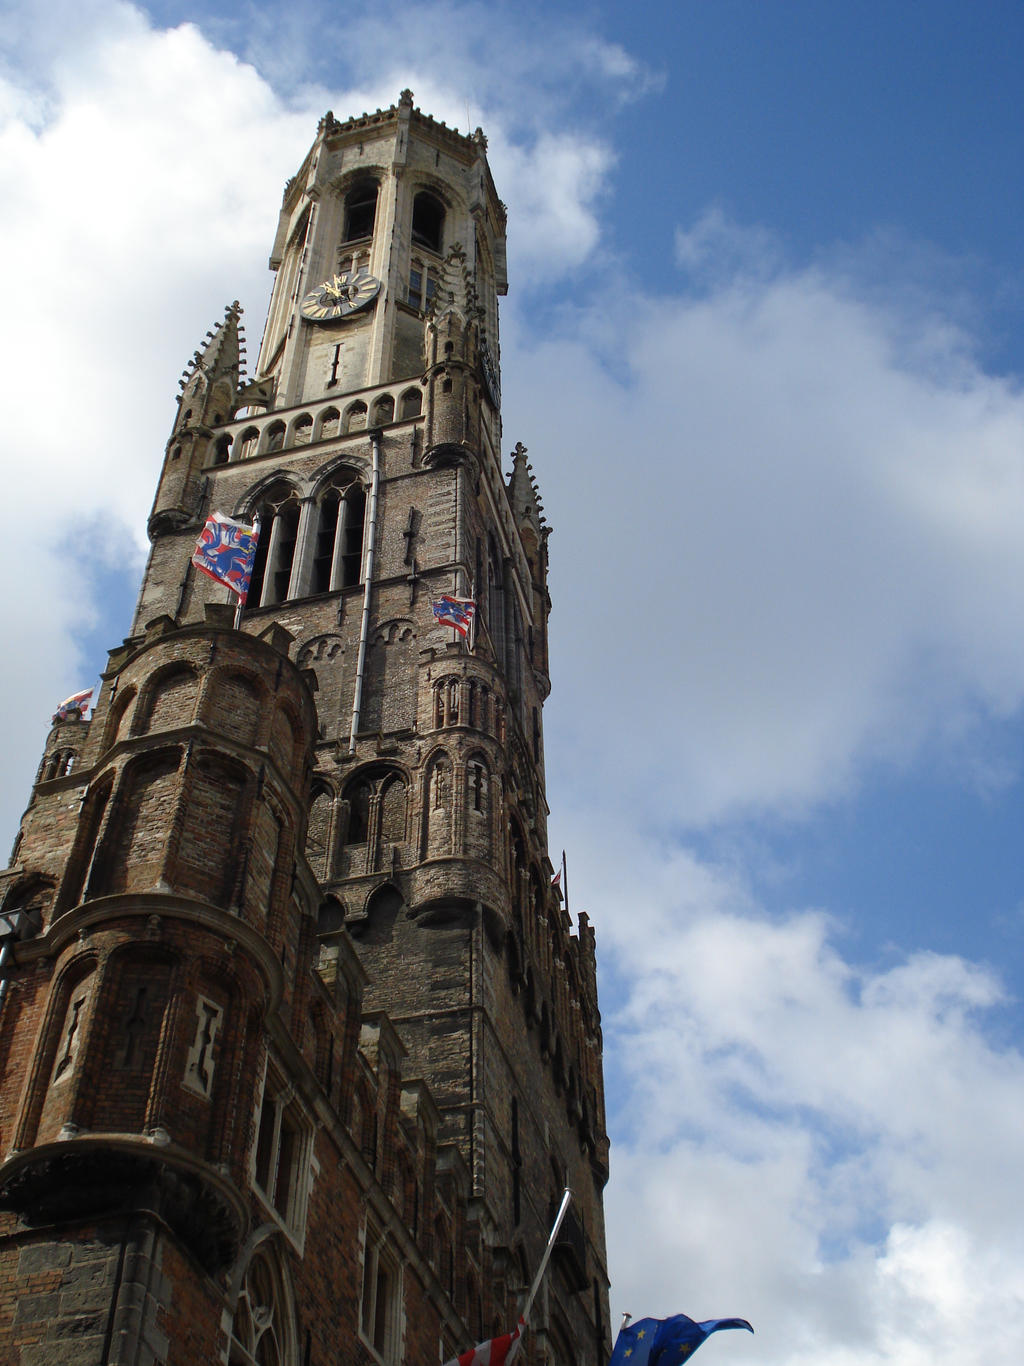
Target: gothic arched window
<point>355,417</point>
<point>338,547</point>
<point>274,436</point>
<point>328,427</point>
<point>248,442</point>
<point>428,221</point>
<point>263,1329</point>
<point>383,410</point>
<point>358,796</point>
<point>360,211</point>
<point>279,526</point>
<point>412,404</point>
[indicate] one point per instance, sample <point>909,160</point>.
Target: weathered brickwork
<point>298,1042</point>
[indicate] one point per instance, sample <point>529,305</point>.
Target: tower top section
<point>366,226</point>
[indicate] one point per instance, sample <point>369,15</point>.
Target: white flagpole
<point>255,541</point>
<point>562,1209</point>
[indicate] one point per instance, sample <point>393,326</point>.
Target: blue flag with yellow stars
<point>665,1342</point>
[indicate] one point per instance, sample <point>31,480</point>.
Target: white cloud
<point>828,1150</point>
<point>800,543</point>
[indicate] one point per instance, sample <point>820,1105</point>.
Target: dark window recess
<point>352,545</point>
<point>360,211</point>
<point>359,813</point>
<point>323,555</point>
<point>427,221</point>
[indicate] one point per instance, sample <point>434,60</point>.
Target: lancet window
<point>360,211</point>
<point>428,221</point>
<point>311,547</point>
<point>263,1329</point>
<point>338,546</point>
<point>275,552</point>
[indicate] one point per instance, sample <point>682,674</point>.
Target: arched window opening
<point>303,430</point>
<point>222,449</point>
<point>382,911</point>
<point>412,404</point>
<point>279,527</point>
<point>383,410</point>
<point>446,703</point>
<point>358,796</point>
<point>262,1330</point>
<point>318,830</point>
<point>360,211</point>
<point>427,221</point>
<point>248,442</point>
<point>355,417</point>
<point>338,548</point>
<point>478,786</point>
<point>440,783</point>
<point>66,763</point>
<point>330,420</point>
<point>275,436</point>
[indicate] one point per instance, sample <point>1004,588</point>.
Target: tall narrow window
<point>279,526</point>
<point>263,1325</point>
<point>380,1307</point>
<point>282,1142</point>
<point>358,811</point>
<point>338,548</point>
<point>422,287</point>
<point>427,221</point>
<point>360,211</point>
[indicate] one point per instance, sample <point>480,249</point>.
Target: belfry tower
<point>298,1043</point>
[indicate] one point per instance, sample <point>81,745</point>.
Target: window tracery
<point>263,1329</point>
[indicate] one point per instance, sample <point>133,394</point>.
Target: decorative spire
<point>223,351</point>
<point>523,493</point>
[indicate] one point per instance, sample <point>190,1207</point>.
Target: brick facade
<point>298,1043</point>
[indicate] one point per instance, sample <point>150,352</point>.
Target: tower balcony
<point>336,416</point>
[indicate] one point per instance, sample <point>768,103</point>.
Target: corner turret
<point>210,392</point>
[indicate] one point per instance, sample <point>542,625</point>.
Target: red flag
<point>496,1352</point>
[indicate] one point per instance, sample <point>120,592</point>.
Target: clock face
<point>339,296</point>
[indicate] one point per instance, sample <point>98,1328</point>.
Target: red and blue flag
<point>226,550</point>
<point>76,705</point>
<point>458,613</point>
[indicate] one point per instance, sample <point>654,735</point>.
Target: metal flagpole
<point>563,1207</point>
<point>255,540</point>
<point>565,883</point>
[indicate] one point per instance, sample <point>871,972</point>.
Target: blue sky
<point>764,342</point>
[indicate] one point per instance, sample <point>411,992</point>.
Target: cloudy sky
<point>764,341</point>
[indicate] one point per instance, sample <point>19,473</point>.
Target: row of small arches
<point>465,702</point>
<point>304,428</point>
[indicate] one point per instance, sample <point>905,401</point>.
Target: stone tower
<point>298,1044</point>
